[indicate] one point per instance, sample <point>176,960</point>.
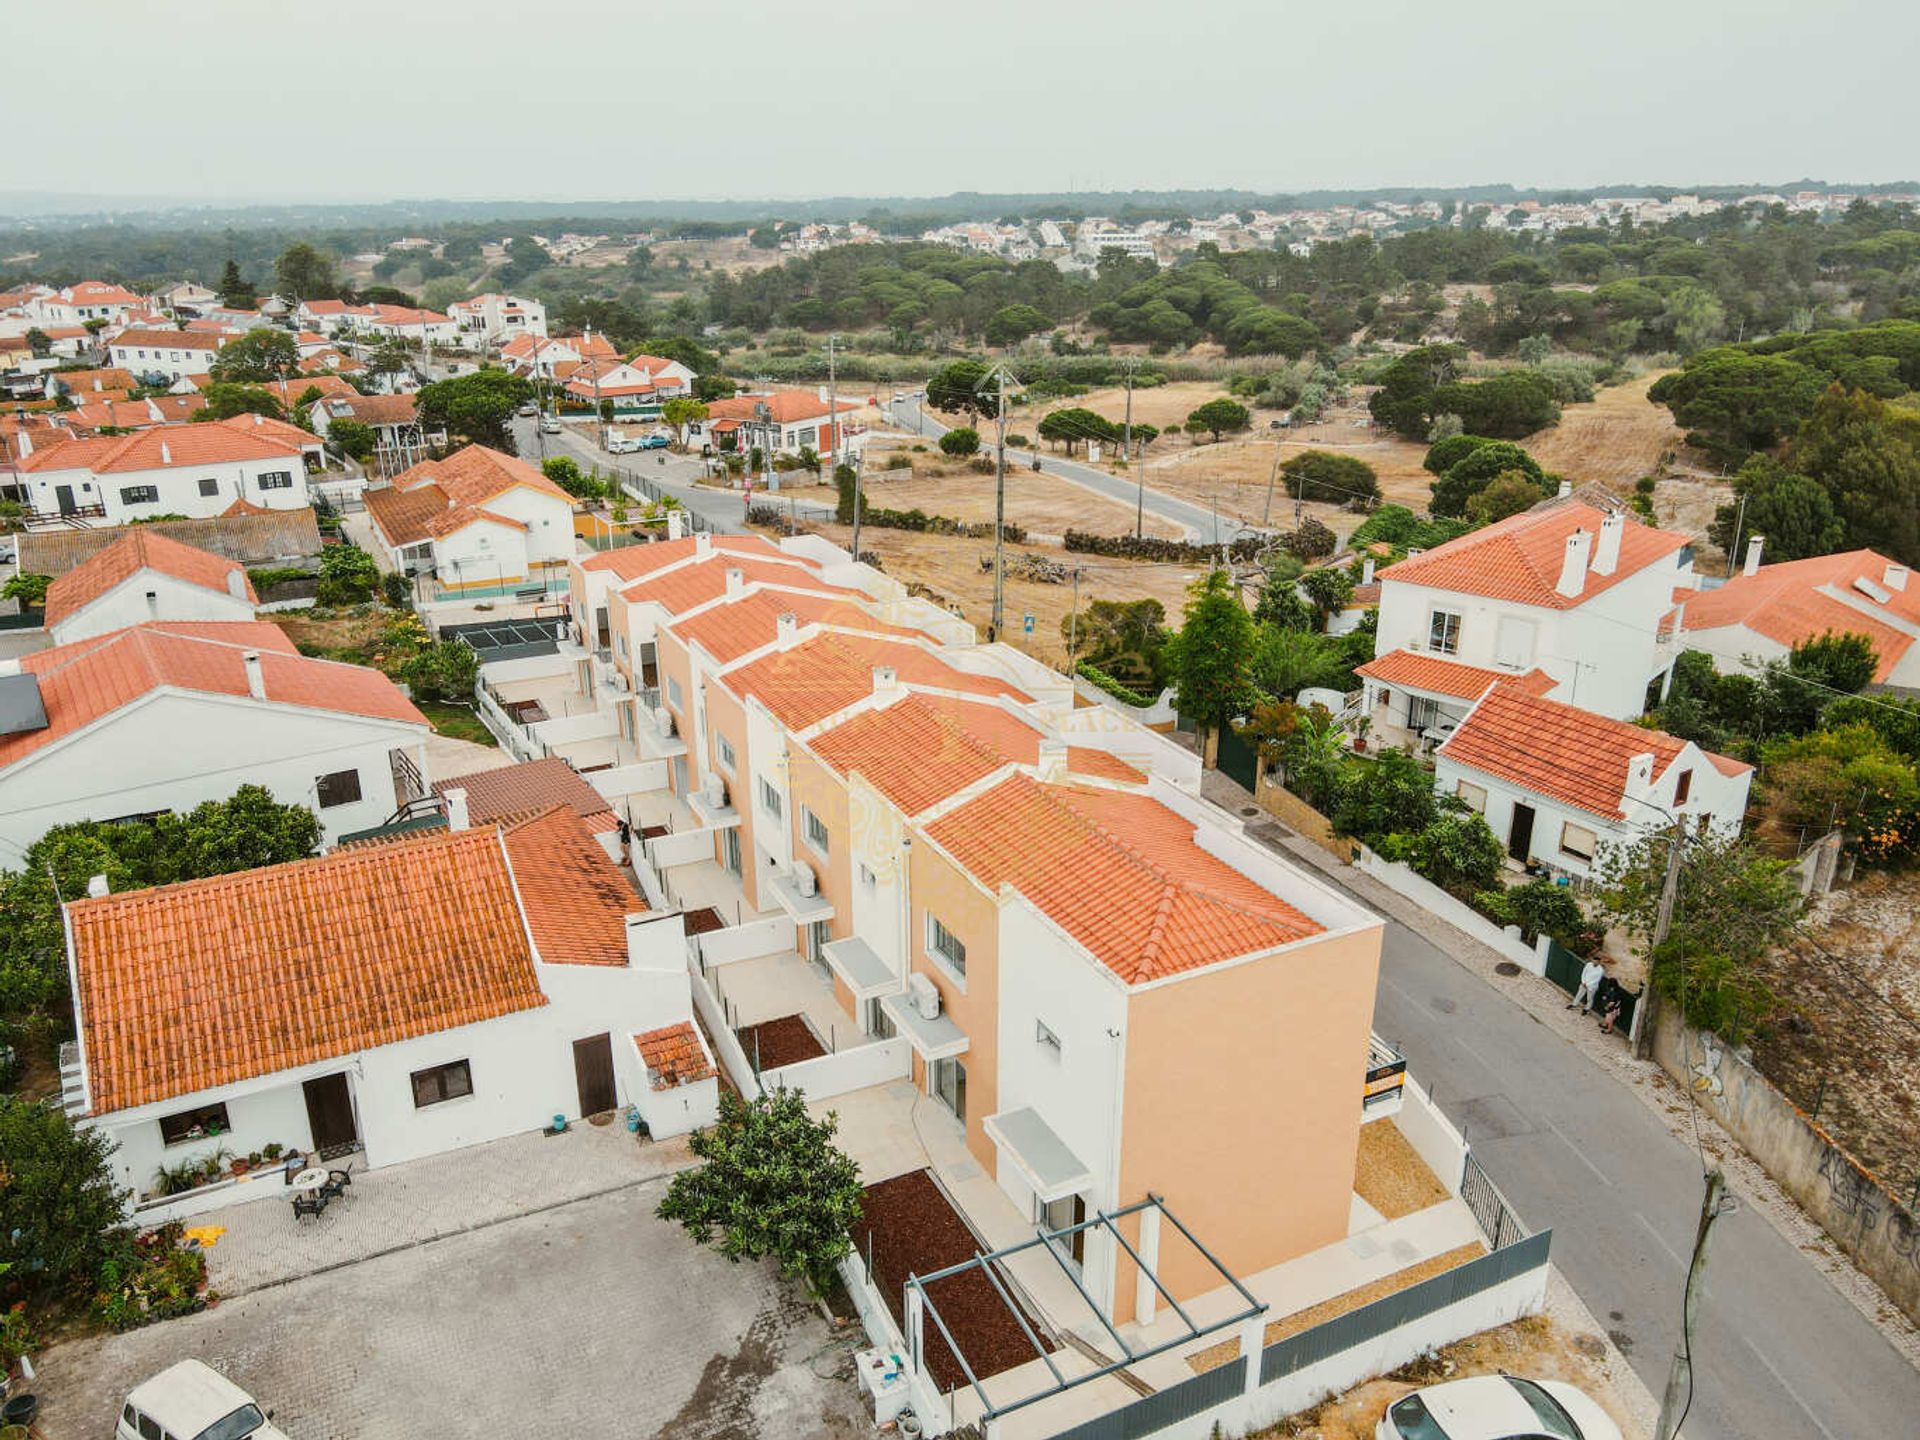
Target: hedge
<point>1093,673</point>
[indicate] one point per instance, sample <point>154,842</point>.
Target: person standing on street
<point>1591,974</point>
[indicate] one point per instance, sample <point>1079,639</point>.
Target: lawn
<point>456,722</point>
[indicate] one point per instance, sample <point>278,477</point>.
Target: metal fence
<point>1480,1195</point>
<point>1563,969</point>
<point>1163,1407</point>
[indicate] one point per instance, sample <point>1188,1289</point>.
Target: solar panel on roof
<point>21,708</point>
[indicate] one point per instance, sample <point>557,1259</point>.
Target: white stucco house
<point>549,356</point>
<point>174,354</point>
<point>88,300</point>
<point>495,319</point>
<point>397,322</point>
<point>1576,603</point>
<point>478,519</point>
<point>196,470</point>
<point>529,981</point>
<point>145,576</point>
<point>164,715</point>
<point>1559,784</point>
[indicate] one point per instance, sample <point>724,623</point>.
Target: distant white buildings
<point>494,319</point>
<point>194,470</point>
<point>172,354</point>
<point>399,322</point>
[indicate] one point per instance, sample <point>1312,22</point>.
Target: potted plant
<point>253,1160</point>
<point>272,1150</point>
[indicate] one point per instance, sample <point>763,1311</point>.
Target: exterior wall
<point>178,488</point>
<point>1290,1028</point>
<point>213,745</point>
<point>126,604</point>
<point>676,667</point>
<point>765,836</point>
<point>879,909</point>
<point>940,887</point>
<point>726,715</point>
<point>175,362</point>
<point>812,784</point>
<point>549,535</point>
<point>483,553</point>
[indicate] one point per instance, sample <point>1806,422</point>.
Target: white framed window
<point>724,752</point>
<point>1046,1039</point>
<point>276,480</point>
<point>1443,632</point>
<point>1473,796</point>
<point>770,798</point>
<point>674,696</point>
<point>814,829</point>
<point>139,494</point>
<point>945,946</point>
<point>1577,841</point>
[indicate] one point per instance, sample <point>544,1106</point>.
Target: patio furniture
<point>310,1179</point>
<point>309,1204</point>
<point>336,1184</point>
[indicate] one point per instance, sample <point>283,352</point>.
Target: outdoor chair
<point>314,1205</point>
<point>337,1183</point>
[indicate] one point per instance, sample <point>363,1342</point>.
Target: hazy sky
<point>646,99</point>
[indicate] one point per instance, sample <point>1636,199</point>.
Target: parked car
<point>624,444</point>
<point>549,424</point>
<point>7,553</point>
<point>193,1401</point>
<point>529,408</point>
<point>1497,1407</point>
<point>654,442</point>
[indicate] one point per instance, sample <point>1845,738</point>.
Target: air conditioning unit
<point>925,996</point>
<point>714,789</point>
<point>803,878</point>
<point>663,722</point>
<point>618,681</point>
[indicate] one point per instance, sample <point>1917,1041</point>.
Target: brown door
<point>593,1073</point>
<point>330,1114</point>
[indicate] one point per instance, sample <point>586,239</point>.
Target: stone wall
<point>1293,812</point>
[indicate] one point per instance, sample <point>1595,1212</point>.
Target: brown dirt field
<point>1390,1175</point>
<point>949,568</point>
<point>1216,1355</point>
<point>1615,440</point>
<point>732,254</point>
<point>1534,1347</point>
<point>316,634</point>
<point>783,1041</point>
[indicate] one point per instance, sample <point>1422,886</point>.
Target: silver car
<point>1497,1407</point>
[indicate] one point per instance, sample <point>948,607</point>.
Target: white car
<point>1496,1407</point>
<point>192,1401</point>
<point>549,424</point>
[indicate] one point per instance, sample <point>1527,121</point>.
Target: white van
<point>192,1401</point>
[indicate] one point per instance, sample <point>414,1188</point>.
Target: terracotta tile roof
<point>1558,751</point>
<point>265,427</point>
<point>169,339</point>
<point>81,383</point>
<point>734,628</point>
<point>917,753</point>
<point>807,682</point>
<point>1799,600</point>
<point>437,497</point>
<point>705,578</point>
<point>1519,558</point>
<point>1364,596</point>
<point>533,785</point>
<point>402,516</point>
<point>630,562</point>
<point>575,897</point>
<point>448,521</point>
<point>674,1056</point>
<point>1120,873</point>
<point>132,553</point>
<point>89,679</point>
<point>175,447</point>
<point>371,409</point>
<point>1102,765</point>
<point>190,986</point>
<point>788,407</point>
<point>1439,676</point>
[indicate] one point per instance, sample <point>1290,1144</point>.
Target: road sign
<point>1029,622</point>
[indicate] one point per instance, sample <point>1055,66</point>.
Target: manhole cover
<point>1249,809</point>
<point>1506,967</point>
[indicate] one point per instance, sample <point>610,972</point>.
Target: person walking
<point>1591,974</point>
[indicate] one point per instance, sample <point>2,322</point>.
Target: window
<point>275,480</point>
<point>1443,632</point>
<point>1474,797</point>
<point>1422,712</point>
<point>1577,841</point>
<point>946,947</point>
<point>806,438</point>
<point>342,787</point>
<point>723,748</point>
<point>209,487</point>
<point>769,799</point>
<point>195,1124</point>
<point>442,1082</point>
<point>868,880</point>
<point>139,494</point>
<point>673,692</point>
<point>620,641</point>
<point>1682,787</point>
<point>815,829</point>
<point>1044,1037</point>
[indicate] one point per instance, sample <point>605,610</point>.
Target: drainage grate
<point>1249,809</point>
<point>1506,967</point>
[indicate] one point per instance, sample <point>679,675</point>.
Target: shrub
<point>1113,687</point>
<point>1323,475</point>
<point>29,590</point>
<point>961,441</point>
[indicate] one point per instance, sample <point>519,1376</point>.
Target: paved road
<point>1201,523</point>
<point>1779,1355</point>
<point>721,509</point>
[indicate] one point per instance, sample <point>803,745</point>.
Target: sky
<point>237,100</point>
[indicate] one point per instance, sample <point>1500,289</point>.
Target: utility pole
<point>833,434</point>
<point>1733,541</point>
<point>1679,1397</point>
<point>1002,378</point>
<point>1642,1036</point>
<point>1073,621</point>
<point>1140,480</point>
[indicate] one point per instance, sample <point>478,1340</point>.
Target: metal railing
<point>1490,1209</point>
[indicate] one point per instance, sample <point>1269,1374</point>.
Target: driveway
<point>589,1318</point>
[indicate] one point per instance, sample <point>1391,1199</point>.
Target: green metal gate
<point>1238,760</point>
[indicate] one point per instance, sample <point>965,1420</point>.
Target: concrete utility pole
<point>1642,1036</point>
<point>1073,620</point>
<point>1140,481</point>
<point>1679,1397</point>
<point>1002,378</point>
<point>833,442</point>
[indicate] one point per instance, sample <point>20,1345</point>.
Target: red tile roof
<point>1520,558</point>
<point>536,785</point>
<point>127,557</point>
<point>1120,873</point>
<point>575,897</point>
<point>89,679</point>
<point>170,339</point>
<point>705,578</point>
<point>175,447</point>
<point>788,407</point>
<point>1439,676</point>
<point>1785,603</point>
<point>190,986</point>
<point>807,682</point>
<point>734,628</point>
<point>630,562</point>
<point>674,1056</point>
<point>437,497</point>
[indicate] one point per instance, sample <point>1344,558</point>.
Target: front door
<point>593,1073</point>
<point>1063,1213</point>
<point>63,494</point>
<point>330,1115</point>
<point>1520,836</point>
<point>950,1086</point>
<point>730,850</point>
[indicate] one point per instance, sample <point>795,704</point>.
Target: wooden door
<point>593,1073</point>
<point>1520,836</point>
<point>63,496</point>
<point>330,1114</point>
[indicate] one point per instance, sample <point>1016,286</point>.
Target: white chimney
<point>153,603</point>
<point>1895,577</point>
<point>736,580</point>
<point>237,584</point>
<point>703,544</point>
<point>1606,555</point>
<point>1366,571</point>
<point>26,443</point>
<point>256,682</point>
<point>1053,758</point>
<point>885,679</point>
<point>786,628</point>
<point>1753,555</point>
<point>98,889</point>
<point>676,525</point>
<point>1566,489</point>
<point>457,816</point>
<point>166,453</point>
<point>1573,569</point>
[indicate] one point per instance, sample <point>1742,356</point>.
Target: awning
<point>805,909</point>
<point>935,1039</point>
<point>866,973</point>
<point>1042,1157</point>
<point>711,816</point>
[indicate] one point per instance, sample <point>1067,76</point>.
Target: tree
<point>39,342</point>
<point>227,399</point>
<point>1076,423</point>
<point>1508,493</point>
<point>682,411</point>
<point>1733,403</point>
<point>392,356</point>
<point>1219,417</point>
<point>1508,405</point>
<point>478,406</point>
<point>1456,851</point>
<point>1866,454</point>
<point>1287,661</point>
<point>1393,795</point>
<point>263,353</point>
<point>444,671</point>
<point>1405,400</point>
<point>1329,589</point>
<point>1011,324</point>
<point>772,1185</point>
<point>1845,775</point>
<point>305,273</point>
<point>714,387</point>
<point>348,575</point>
<point>565,472</point>
<point>60,1211</point>
<point>964,387</point>
<point>1479,468</point>
<point>1336,479</point>
<point>1125,638</point>
<point>961,441</point>
<point>1208,658</point>
<point>235,292</point>
<point>29,589</point>
<point>352,437</point>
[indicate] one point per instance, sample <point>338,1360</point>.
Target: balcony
<point>712,805</point>
<point>657,735</point>
<point>933,1037</point>
<point>807,906</point>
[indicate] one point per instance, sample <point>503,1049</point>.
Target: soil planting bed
<point>785,1041</point>
<point>699,922</point>
<point>914,1231</point>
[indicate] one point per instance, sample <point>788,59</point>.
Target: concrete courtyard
<point>590,1317</point>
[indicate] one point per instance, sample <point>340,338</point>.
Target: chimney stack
<point>1566,489</point>
<point>676,525</point>
<point>237,584</point>
<point>885,680</point>
<point>457,816</point>
<point>703,544</point>
<point>98,888</point>
<point>166,453</point>
<point>1753,555</point>
<point>736,580</point>
<point>1606,555</point>
<point>1052,758</point>
<point>1895,577</point>
<point>1573,569</point>
<point>786,628</point>
<point>1366,571</point>
<point>153,603</point>
<point>256,681</point>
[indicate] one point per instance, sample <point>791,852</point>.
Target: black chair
<point>311,1204</point>
<point>336,1185</point>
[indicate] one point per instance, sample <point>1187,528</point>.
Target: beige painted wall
<point>940,886</point>
<point>675,664</point>
<point>1242,1095</point>
<point>725,716</point>
<point>812,784</point>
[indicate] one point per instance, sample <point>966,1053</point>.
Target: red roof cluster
<point>1520,558</point>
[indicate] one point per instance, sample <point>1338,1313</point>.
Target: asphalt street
<point>1778,1353</point>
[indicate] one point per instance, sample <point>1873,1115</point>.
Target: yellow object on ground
<point>205,1235</point>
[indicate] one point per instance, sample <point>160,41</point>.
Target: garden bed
<point>911,1229</point>
<point>784,1041</point>
<point>704,920</point>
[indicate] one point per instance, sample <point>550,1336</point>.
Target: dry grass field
<point>1615,440</point>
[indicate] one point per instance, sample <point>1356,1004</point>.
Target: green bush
<point>1088,670</point>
